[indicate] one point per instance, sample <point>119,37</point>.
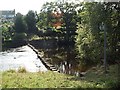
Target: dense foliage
<point>7,30</point>
<point>90,38</point>
<point>20,25</point>
<point>30,19</point>
<point>60,16</point>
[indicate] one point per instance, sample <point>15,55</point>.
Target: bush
<point>20,37</point>
<point>113,84</point>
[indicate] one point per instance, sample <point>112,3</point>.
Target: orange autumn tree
<point>60,17</point>
<point>57,23</point>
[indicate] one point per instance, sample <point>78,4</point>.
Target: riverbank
<point>94,78</point>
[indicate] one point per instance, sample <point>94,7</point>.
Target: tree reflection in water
<point>62,56</point>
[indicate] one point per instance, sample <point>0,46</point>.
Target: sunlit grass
<point>43,80</point>
<point>0,80</point>
<point>12,79</point>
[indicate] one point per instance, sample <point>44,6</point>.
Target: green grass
<point>0,80</point>
<point>51,79</point>
<point>108,80</point>
<point>42,80</point>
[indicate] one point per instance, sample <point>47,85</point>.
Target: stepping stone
<point>54,69</point>
<point>51,65</point>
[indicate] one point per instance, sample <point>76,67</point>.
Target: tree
<point>20,25</point>
<point>70,19</point>
<point>20,30</point>
<point>113,30</point>
<point>31,22</point>
<point>42,24</point>
<point>60,14</point>
<point>7,31</point>
<point>90,38</point>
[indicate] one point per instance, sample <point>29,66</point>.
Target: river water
<point>21,57</point>
<point>60,54</point>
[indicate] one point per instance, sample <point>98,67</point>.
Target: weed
<point>11,71</point>
<point>22,70</point>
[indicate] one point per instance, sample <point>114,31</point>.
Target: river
<point>21,57</point>
<point>60,54</point>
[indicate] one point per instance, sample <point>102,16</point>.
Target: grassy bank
<point>92,79</point>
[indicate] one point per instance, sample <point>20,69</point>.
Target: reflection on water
<point>62,55</point>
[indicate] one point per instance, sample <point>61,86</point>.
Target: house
<point>7,15</point>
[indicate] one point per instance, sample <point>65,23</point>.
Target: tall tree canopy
<point>90,38</point>
<point>60,14</point>
<point>31,22</point>
<point>20,25</point>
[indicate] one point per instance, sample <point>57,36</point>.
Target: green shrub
<point>18,37</point>
<point>113,84</point>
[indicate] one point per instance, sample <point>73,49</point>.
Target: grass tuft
<point>22,70</point>
<point>11,71</point>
